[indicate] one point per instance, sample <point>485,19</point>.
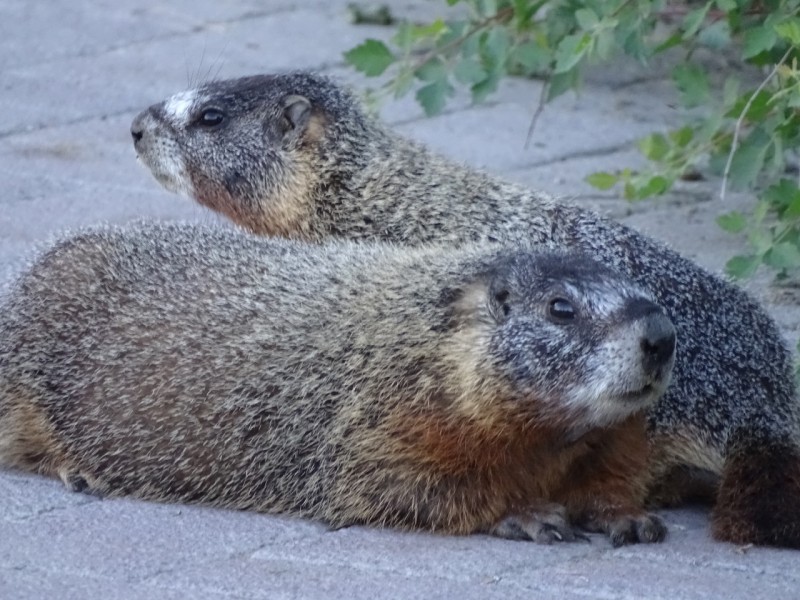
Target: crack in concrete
<point>446,112</point>
<point>590,153</point>
<point>372,567</point>
<point>194,29</point>
<point>27,129</point>
<point>716,564</point>
<point>632,82</point>
<point>50,510</point>
<point>112,579</point>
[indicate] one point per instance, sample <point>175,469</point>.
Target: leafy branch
<point>749,137</point>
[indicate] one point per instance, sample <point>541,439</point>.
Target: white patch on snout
<point>614,377</point>
<point>162,156</point>
<point>174,176</point>
<point>178,107</point>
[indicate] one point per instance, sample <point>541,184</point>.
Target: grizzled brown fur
<point>484,389</point>
<point>295,155</point>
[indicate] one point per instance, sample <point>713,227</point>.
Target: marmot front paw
<point>544,525</point>
<point>624,529</point>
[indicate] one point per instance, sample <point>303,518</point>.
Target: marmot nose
<point>658,341</point>
<point>658,338</point>
<point>136,133</point>
<point>138,126</point>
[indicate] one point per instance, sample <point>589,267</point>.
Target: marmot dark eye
<point>561,309</point>
<point>211,117</point>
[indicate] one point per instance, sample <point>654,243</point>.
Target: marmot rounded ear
<point>296,112</point>
<point>499,286</point>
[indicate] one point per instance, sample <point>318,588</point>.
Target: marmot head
<point>583,342</point>
<point>249,146</point>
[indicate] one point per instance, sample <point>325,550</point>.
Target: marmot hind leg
<point>75,481</point>
<point>684,468</point>
<point>759,497</point>
<point>27,440</point>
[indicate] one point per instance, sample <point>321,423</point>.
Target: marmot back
<point>294,155</point>
<point>484,389</point>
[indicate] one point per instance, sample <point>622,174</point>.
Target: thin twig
<point>546,90</point>
<point>538,112</point>
<point>501,15</point>
<point>740,121</point>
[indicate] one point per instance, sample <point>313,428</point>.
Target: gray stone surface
<point>73,76</point>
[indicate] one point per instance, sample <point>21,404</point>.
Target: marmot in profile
<point>295,155</point>
<point>483,389</point>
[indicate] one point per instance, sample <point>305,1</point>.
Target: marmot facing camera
<point>482,389</point>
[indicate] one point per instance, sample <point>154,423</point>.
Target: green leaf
<point>483,88</point>
<point>469,71</point>
<point>486,8</point>
<point>758,40</point>
<point>604,44</point>
<point>726,5</point>
<point>760,211</point>
<point>783,255</point>
<point>781,193</point>
<point>757,111</point>
<point>471,46</point>
<point>655,186</point>
<point>747,163</point>
<point>775,161</point>
<point>498,42</point>
<point>792,211</point>
<point>761,241</point>
<point>561,82</point>
<point>602,181</point>
<point>453,31</point>
<point>433,70</point>
<point>532,56</point>
<point>404,36</point>
<point>521,8</point>
<point>709,127</point>
<point>674,40</point>
<point>524,10</point>
<point>681,137</point>
<point>715,36</point>
<point>432,30</point>
<point>732,222</point>
<point>740,267</point>
<point>433,96</point>
<point>789,30</point>
<point>655,146</point>
<point>629,191</point>
<point>693,20</point>
<point>586,18</point>
<point>730,91</point>
<point>692,84</point>
<point>409,34</point>
<point>403,82</point>
<point>371,58</point>
<point>570,51</point>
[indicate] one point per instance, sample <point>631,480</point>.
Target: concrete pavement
<point>73,75</point>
